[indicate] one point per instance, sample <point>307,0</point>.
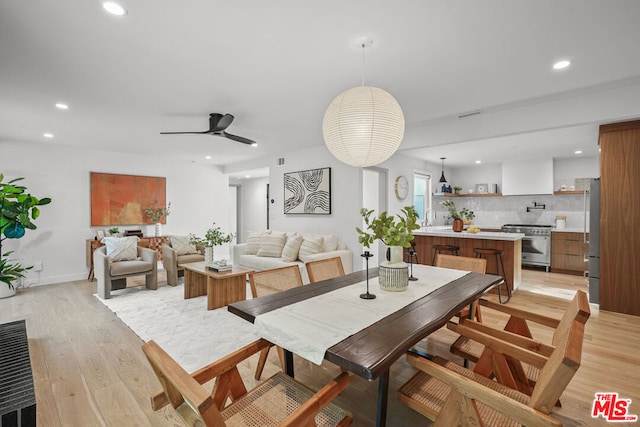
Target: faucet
<point>426,223</point>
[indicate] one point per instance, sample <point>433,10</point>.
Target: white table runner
<point>308,328</point>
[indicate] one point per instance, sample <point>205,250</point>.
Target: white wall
<point>198,195</point>
<point>565,171</point>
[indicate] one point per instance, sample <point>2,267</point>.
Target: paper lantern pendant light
<point>364,125</point>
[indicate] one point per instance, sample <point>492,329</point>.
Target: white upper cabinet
<point>527,177</point>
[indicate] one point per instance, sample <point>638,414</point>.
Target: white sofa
<point>266,256</point>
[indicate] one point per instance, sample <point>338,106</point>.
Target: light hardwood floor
<point>89,369</point>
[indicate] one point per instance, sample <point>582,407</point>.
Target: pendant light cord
<point>362,64</point>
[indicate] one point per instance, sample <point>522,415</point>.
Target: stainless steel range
<point>536,243</point>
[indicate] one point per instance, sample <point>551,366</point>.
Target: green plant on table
<point>18,210</point>
<point>213,237</point>
<point>155,213</point>
<point>114,230</point>
<point>464,214</point>
<point>386,228</point>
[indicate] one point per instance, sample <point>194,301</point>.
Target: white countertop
<point>569,230</point>
<point>447,231</point>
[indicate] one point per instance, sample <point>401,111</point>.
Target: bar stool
<point>497,253</point>
<point>453,250</point>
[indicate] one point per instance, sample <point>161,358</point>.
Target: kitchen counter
<point>510,243</point>
<point>446,231</point>
<point>569,230</point>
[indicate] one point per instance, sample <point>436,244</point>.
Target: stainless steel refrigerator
<point>594,241</point>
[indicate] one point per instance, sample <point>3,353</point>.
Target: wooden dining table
<point>370,352</point>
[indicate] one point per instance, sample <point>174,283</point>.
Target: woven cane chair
<point>452,395</point>
<point>268,282</point>
<point>475,265</point>
<point>324,269</point>
<point>278,401</point>
<point>485,359</point>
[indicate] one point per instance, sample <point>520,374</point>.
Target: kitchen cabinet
<point>620,217</point>
<point>568,252</point>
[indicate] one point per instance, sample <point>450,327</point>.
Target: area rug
<point>191,334</point>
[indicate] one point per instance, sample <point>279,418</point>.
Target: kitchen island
<point>510,243</point>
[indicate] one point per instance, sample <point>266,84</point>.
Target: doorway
<point>374,196</point>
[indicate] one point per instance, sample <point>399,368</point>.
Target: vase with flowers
<point>156,213</point>
<point>396,233</point>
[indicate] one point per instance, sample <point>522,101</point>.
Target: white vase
<point>394,273</point>
<point>158,229</point>
<point>6,291</point>
<point>208,255</point>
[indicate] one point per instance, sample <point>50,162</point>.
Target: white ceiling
<point>277,65</point>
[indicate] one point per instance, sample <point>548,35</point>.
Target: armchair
<point>111,275</point>
<point>173,257</point>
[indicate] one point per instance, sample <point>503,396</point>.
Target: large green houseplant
<point>18,211</point>
<point>213,237</point>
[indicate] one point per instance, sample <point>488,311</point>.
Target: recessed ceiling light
<point>247,176</point>
<point>478,162</point>
<point>560,65</point>
<point>47,135</point>
<point>207,157</point>
<point>114,8</point>
<point>255,144</point>
<point>62,106</point>
<point>578,152</point>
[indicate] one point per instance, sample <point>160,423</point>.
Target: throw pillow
<point>310,245</point>
<point>121,248</point>
<point>291,248</point>
<point>271,245</point>
<point>330,242</point>
<point>253,242</point>
<point>182,246</point>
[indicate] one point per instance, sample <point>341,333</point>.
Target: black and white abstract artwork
<point>308,192</point>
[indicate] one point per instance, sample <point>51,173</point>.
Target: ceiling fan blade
<point>218,122</point>
<point>239,138</point>
<point>182,133</point>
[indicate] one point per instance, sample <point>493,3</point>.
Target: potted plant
<point>396,234</point>
<point>114,231</point>
<point>459,218</point>
<point>213,237</point>
<point>155,214</point>
<point>18,210</point>
<point>457,189</point>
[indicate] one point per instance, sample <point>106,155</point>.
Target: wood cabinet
<point>620,217</point>
<point>568,252</point>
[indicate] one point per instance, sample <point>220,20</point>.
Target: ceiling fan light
<point>363,126</point>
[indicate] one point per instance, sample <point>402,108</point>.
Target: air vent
<point>469,114</point>
<point>280,161</point>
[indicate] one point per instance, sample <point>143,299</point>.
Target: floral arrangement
<point>386,228</point>
<point>464,214</point>
<point>213,237</point>
<point>156,213</point>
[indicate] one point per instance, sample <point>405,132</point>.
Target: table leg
<point>288,363</point>
<point>383,395</point>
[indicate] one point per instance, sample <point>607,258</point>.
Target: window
<point>422,196</point>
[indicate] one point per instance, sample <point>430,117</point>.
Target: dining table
<point>364,336</point>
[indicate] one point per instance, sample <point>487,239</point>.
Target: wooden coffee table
<point>221,288</point>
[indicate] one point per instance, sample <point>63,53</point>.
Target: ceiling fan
<point>217,125</point>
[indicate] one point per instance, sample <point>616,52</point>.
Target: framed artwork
<point>308,192</point>
<point>100,234</point>
<point>121,199</point>
<point>482,188</point>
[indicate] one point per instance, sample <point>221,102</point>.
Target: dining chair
<point>324,269</point>
<point>268,282</point>
<point>452,395</point>
<point>521,375</point>
<point>280,400</point>
<point>475,265</point>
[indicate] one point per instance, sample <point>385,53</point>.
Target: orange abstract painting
<point>122,199</point>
